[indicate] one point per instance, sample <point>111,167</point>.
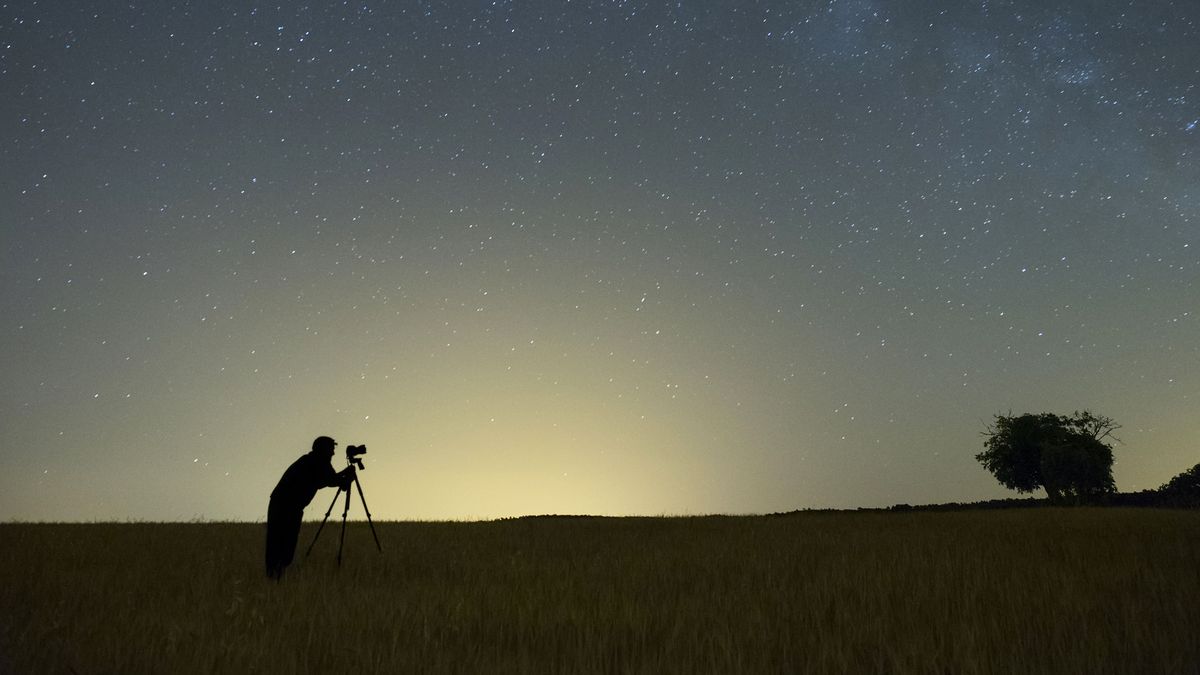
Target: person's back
<point>299,484</point>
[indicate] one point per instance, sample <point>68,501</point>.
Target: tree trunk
<point>1054,494</point>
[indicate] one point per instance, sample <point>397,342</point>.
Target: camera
<point>354,455</point>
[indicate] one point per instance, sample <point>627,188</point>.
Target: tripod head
<point>354,455</point>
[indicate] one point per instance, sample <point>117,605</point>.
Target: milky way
<point>595,257</point>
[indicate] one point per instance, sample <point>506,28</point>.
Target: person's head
<point>324,445</point>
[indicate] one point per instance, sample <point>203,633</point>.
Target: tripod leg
<point>342,540</point>
<point>368,511</point>
<point>322,526</point>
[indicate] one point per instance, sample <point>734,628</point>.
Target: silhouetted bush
<point>1183,490</point>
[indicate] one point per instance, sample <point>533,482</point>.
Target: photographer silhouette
<point>296,488</point>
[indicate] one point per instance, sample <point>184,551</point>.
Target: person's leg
<point>274,570</point>
<point>283,526</point>
<point>289,533</point>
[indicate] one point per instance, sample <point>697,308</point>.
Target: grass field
<point>1021,591</point>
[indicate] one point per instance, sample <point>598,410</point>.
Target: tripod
<point>346,510</point>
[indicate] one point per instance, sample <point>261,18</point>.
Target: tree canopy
<point>1184,489</point>
<point>1064,454</point>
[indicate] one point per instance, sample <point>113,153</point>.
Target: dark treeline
<point>1146,498</point>
<point>1163,498</point>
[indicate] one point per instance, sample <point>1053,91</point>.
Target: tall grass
<point>1024,591</point>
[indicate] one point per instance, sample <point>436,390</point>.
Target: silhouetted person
<point>294,491</point>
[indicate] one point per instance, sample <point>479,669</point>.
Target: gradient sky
<point>588,257</point>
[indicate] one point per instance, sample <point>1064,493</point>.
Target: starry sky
<point>588,257</point>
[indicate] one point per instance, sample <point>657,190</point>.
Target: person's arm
<point>340,479</point>
<point>327,477</point>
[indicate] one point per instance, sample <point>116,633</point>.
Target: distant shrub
<point>1183,490</point>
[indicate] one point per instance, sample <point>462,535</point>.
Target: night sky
<point>599,257</point>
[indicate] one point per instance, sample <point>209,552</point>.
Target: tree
<point>1064,454</point>
<point>1184,489</point>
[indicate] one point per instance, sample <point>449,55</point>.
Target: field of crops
<point>1020,591</point>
